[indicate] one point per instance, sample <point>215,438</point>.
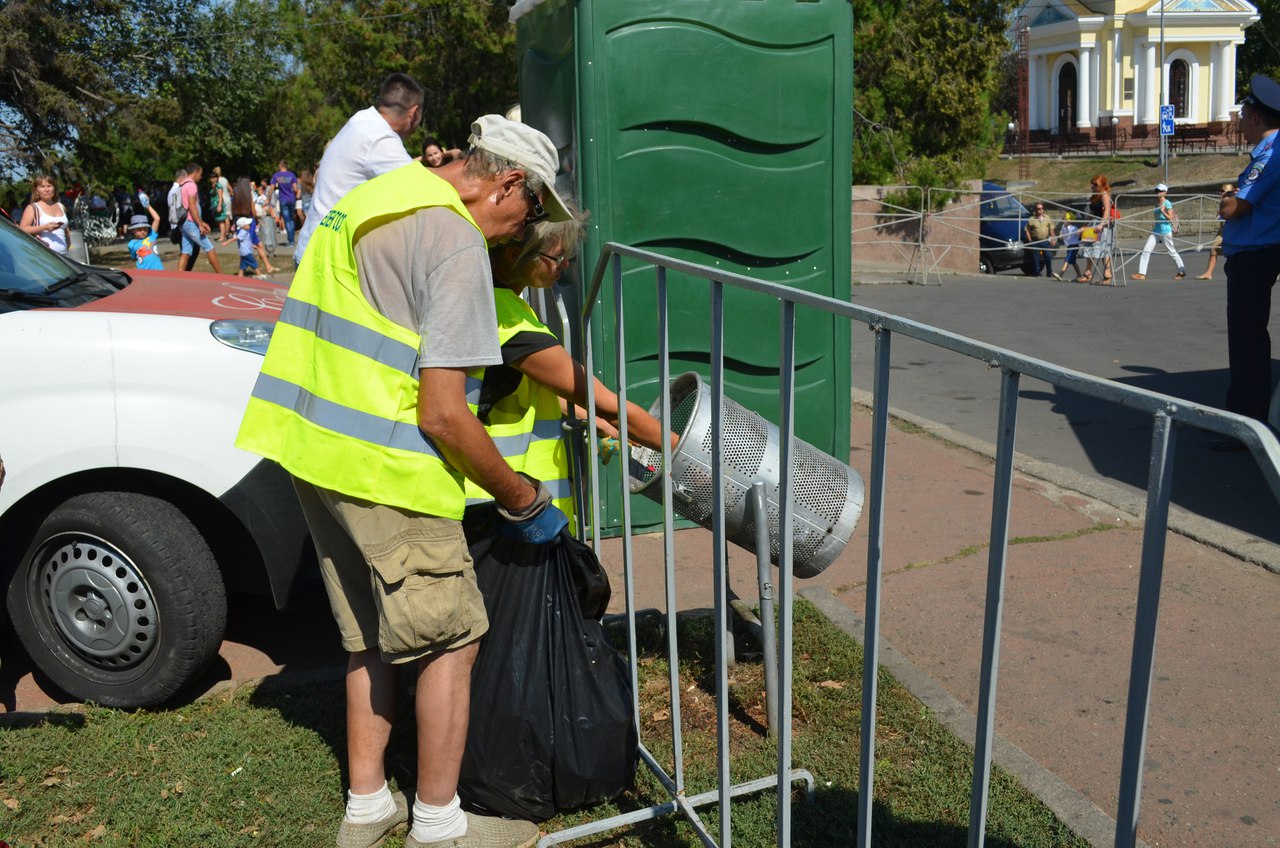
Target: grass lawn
<point>262,766</point>
<point>1125,173</point>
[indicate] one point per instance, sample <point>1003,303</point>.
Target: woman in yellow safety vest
<point>520,400</point>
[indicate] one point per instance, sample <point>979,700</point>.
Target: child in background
<point>244,239</point>
<point>258,249</point>
<point>142,247</point>
<point>1070,234</point>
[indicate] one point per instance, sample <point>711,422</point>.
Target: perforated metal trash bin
<point>827,494</point>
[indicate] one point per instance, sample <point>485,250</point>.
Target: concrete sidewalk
<point>1213,748</point>
<point>1214,738</point>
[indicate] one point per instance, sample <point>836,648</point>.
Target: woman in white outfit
<point>1161,230</point>
<point>46,218</point>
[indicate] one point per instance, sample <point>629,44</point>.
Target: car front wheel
<point>118,599</point>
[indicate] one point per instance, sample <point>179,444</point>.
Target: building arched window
<point>1180,88</point>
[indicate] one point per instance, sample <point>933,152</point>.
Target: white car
<point>127,513</point>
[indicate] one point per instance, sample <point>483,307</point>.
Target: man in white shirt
<point>371,143</point>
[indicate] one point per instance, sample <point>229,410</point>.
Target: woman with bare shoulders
<point>45,217</point>
<point>1102,208</point>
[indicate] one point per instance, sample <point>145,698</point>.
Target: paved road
<point>1156,334</point>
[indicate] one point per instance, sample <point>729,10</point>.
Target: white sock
<point>367,809</point>
<point>432,824</point>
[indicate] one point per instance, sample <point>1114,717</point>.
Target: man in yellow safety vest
<point>364,398</point>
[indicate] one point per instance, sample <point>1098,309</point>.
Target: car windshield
<point>34,277</point>
<point>28,266</point>
<point>1004,206</point>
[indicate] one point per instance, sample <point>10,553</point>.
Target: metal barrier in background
<point>1165,411</point>
<point>918,231</point>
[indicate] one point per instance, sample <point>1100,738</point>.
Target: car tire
<point>985,266</point>
<point>118,599</point>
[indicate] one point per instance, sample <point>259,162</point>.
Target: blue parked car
<point>1000,231</point>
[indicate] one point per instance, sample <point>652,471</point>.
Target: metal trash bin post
<point>828,493</point>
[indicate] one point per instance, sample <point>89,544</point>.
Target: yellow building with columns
<point>1097,67</point>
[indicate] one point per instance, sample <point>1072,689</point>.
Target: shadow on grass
<point>830,820</point>
<point>922,771</point>
<point>321,708</point>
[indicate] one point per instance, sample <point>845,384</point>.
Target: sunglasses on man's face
<point>536,212</point>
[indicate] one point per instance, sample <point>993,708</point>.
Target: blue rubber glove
<point>542,528</point>
<point>538,523</point>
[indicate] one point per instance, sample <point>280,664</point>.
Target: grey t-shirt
<point>429,271</point>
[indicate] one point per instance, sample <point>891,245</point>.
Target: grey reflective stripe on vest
<point>355,423</point>
<point>351,336</point>
<point>559,489</point>
<point>474,384</point>
<point>518,445</point>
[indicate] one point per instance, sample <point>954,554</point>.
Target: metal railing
<point>1165,411</point>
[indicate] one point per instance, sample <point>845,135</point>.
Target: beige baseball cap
<point>522,145</point>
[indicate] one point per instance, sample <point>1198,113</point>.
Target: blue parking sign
<point>1166,120</point>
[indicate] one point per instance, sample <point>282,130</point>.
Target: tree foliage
<point>117,91</point>
<point>113,91</point>
<point>462,51</point>
<point>925,74</point>
<point>1260,53</point>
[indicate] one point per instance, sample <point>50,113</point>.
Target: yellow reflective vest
<point>525,425</point>
<point>336,402</point>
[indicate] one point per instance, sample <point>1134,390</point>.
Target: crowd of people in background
<point>202,207</point>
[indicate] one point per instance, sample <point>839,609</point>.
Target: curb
<point>1236,543</point>
<point>1085,818</point>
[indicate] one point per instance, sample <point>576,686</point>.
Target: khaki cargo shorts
<point>397,580</point>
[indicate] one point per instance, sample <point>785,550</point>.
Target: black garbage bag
<point>551,723</point>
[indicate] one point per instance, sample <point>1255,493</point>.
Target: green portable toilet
<point>718,132</point>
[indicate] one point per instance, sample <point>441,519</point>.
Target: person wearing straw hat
<point>1251,244</point>
<point>1163,227</point>
<point>364,399</point>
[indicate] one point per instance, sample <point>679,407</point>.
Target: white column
<point>1096,96</point>
<point>1046,94</point>
<point>1151,93</point>
<point>1227,98</point>
<point>1033,92</point>
<point>1139,81</point>
<point>1117,71</point>
<point>1214,70</point>
<point>1084,87</point>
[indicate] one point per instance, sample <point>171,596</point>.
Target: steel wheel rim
<point>97,599</point>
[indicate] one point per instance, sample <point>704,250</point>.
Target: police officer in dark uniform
<point>1251,243</point>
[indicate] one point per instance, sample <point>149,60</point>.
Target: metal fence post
<point>1159,489</point>
<point>996,566</point>
<point>875,567</point>
<point>786,436</point>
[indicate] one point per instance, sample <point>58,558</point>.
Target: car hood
<point>210,296</point>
